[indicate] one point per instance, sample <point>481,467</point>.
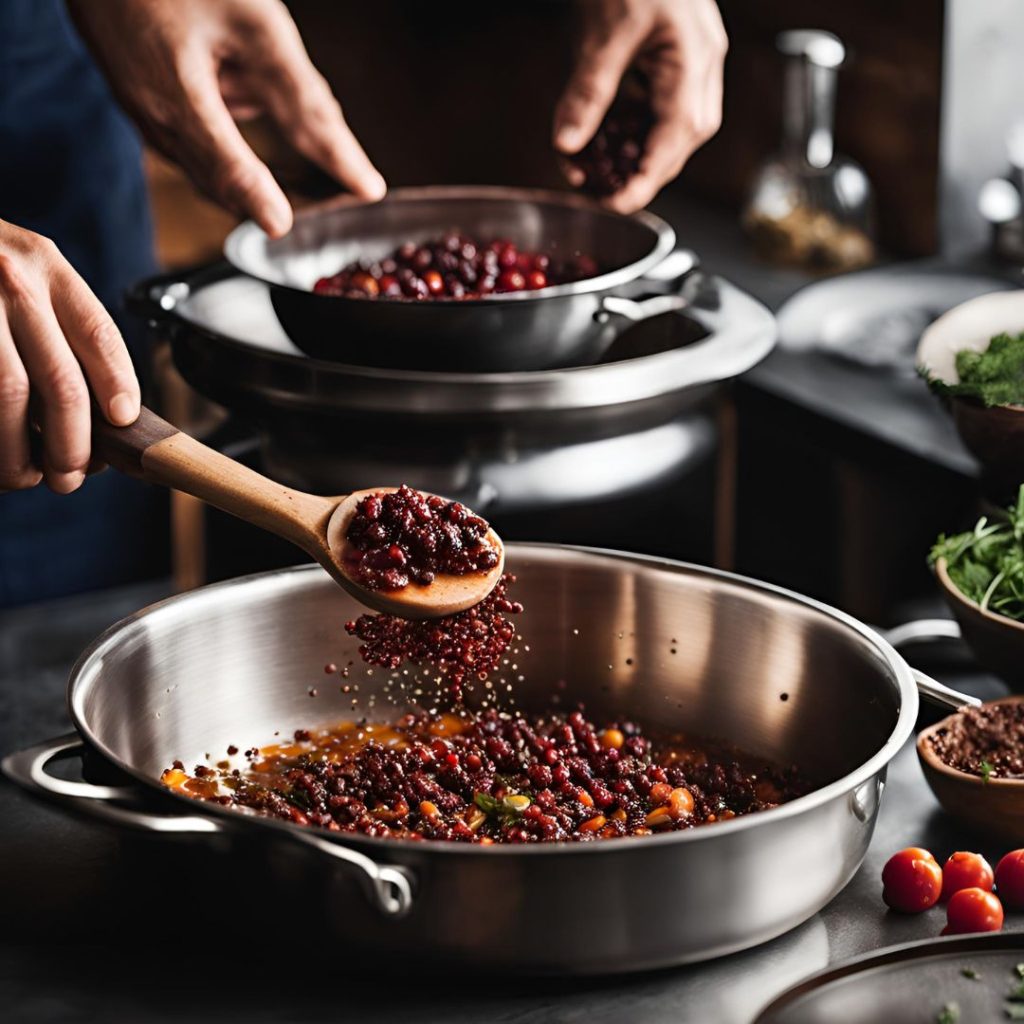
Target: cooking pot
<point>529,330</point>
<point>673,646</point>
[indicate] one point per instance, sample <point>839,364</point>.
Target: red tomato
<point>973,910</point>
<point>1010,879</point>
<point>912,880</point>
<point>966,871</point>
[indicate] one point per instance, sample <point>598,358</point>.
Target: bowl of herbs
<point>981,573</point>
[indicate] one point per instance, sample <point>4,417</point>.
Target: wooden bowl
<point>995,806</point>
<point>994,435</point>
<point>995,640</point>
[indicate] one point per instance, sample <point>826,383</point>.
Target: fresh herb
<point>506,811</point>
<point>949,1014</point>
<point>995,376</point>
<point>1017,994</point>
<point>1014,1005</point>
<point>1019,970</point>
<point>970,972</point>
<point>986,769</point>
<point>1015,1011</point>
<point>986,564</point>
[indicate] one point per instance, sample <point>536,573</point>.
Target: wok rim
<point>663,242</point>
<point>90,661</point>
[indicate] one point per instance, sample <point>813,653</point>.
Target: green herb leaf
<point>949,1014</point>
<point>986,564</point>
<point>1017,995</point>
<point>970,972</point>
<point>487,803</point>
<point>986,769</point>
<point>507,810</point>
<point>995,376</point>
<point>1019,970</point>
<point>1015,1011</point>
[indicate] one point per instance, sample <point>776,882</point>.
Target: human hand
<point>187,70</point>
<point>56,342</point>
<point>679,46</point>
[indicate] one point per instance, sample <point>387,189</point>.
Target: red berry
<point>434,282</point>
<point>966,871</point>
<point>1010,879</point>
<point>511,281</point>
<point>973,910</point>
<point>912,881</point>
<point>536,279</point>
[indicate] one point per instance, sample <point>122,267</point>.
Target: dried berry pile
<point>492,777</point>
<point>986,741</point>
<point>613,155</point>
<point>468,644</point>
<point>405,536</point>
<point>455,267</point>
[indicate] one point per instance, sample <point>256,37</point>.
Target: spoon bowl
<point>157,452</point>
<point>447,594</point>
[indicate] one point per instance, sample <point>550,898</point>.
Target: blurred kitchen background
<point>828,468</point>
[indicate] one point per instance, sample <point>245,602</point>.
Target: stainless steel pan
<point>558,326</point>
<point>775,673</point>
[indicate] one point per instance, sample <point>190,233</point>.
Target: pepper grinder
<point>810,206</point>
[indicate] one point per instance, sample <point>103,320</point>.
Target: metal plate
<point>908,983</point>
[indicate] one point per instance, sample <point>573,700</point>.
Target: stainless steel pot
<point>531,330</point>
<point>669,644</point>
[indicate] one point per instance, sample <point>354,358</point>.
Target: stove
<point>595,454</point>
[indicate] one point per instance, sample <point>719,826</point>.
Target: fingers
<point>300,101</point>
<point>605,53</point>
<point>686,99</point>
<point>216,156</point>
<point>58,385</point>
<point>98,346</point>
<point>16,468</point>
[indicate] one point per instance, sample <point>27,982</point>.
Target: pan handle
<point>389,887</point>
<point>922,631</point>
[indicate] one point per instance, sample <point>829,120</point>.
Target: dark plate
<point>909,983</point>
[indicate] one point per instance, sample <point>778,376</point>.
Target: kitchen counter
<point>97,925</point>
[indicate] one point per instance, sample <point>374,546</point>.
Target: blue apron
<point>70,168</point>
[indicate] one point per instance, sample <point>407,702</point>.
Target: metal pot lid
<point>229,344</point>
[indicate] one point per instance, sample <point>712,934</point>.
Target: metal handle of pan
<point>669,272</point>
<point>388,887</point>
<point>923,631</point>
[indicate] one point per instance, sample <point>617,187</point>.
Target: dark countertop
<point>98,926</point>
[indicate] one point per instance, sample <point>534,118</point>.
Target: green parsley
<point>949,1014</point>
<point>986,768</point>
<point>995,376</point>
<point>506,811</point>
<point>970,972</point>
<point>986,564</point>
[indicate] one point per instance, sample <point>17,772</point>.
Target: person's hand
<point>186,70</point>
<point>680,47</point>
<point>55,336</point>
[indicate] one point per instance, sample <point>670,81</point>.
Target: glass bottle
<point>809,205</point>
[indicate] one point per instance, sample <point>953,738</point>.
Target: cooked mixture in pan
<point>486,777</point>
<point>455,267</point>
<point>405,536</point>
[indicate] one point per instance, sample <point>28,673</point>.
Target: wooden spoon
<point>159,453</point>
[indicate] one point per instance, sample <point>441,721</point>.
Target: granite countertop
<point>96,925</point>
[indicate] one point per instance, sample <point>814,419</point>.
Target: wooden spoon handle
<point>157,452</point>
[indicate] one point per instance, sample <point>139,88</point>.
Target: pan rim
<point>89,663</point>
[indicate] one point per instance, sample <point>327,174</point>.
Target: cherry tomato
<point>1010,879</point>
<point>966,871</point>
<point>973,910</point>
<point>912,880</point>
